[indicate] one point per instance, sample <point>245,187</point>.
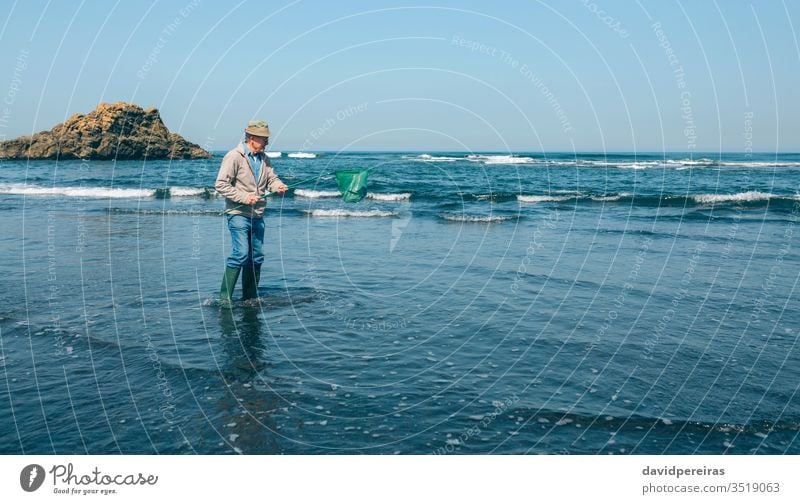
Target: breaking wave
<point>340,212</point>
<point>475,218</point>
<point>389,196</point>
<point>427,158</point>
<point>497,160</point>
<point>78,192</point>
<point>542,198</point>
<point>108,192</point>
<point>310,193</point>
<point>749,196</point>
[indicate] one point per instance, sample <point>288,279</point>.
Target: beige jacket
<point>236,180</point>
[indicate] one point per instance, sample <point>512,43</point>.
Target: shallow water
<point>494,304</point>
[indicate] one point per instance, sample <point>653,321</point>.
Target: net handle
<point>290,186</point>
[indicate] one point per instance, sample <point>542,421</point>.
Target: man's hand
<point>281,189</point>
<point>252,199</point>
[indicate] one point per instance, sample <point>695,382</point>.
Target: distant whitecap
<point>389,196</point>
<point>341,212</point>
<point>533,198</point>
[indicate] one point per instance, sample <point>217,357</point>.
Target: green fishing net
<point>352,184</point>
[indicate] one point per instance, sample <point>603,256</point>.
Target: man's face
<point>257,143</point>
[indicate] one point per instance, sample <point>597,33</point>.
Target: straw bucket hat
<point>257,128</point>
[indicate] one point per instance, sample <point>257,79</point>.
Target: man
<point>245,176</point>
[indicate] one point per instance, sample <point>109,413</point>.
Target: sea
<point>472,303</point>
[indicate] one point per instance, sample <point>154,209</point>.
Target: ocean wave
<point>761,164</point>
<point>273,154</point>
<point>158,211</point>
<point>78,192</point>
<point>690,162</point>
<point>340,212</point>
<point>676,164</point>
<point>611,197</point>
<point>749,196</point>
<point>389,196</point>
<point>190,191</point>
<point>475,158</point>
<point>643,165</point>
<point>749,199</point>
<point>612,161</point>
<point>302,155</point>
<point>310,193</point>
<point>427,158</point>
<point>108,192</point>
<point>631,163</point>
<point>533,198</point>
<point>475,218</point>
<point>640,164</point>
<point>500,160</point>
<point>495,197</point>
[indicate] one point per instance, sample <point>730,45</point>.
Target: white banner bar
<point>400,479</point>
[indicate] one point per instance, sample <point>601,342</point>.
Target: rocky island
<point>111,131</point>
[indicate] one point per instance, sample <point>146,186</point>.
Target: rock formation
<point>112,131</point>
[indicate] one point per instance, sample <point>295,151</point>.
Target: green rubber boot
<point>228,285</point>
<point>250,277</point>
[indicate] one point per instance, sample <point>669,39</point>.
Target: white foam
<point>340,212</point>
<point>389,196</point>
<point>634,165</point>
<point>588,162</point>
<point>186,191</point>
<point>541,198</point>
<point>492,160</point>
<point>553,162</point>
<point>310,193</point>
<point>77,192</point>
<point>677,164</point>
<point>614,197</point>
<point>305,155</point>
<point>722,198</point>
<point>690,162</point>
<point>643,165</point>
<point>509,160</point>
<point>273,154</point>
<point>762,164</point>
<point>475,218</point>
<point>427,158</point>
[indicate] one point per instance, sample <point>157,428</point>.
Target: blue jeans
<point>247,237</point>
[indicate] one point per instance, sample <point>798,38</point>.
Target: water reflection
<point>242,344</point>
<point>249,401</point>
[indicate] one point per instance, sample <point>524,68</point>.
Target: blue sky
<point>514,76</point>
